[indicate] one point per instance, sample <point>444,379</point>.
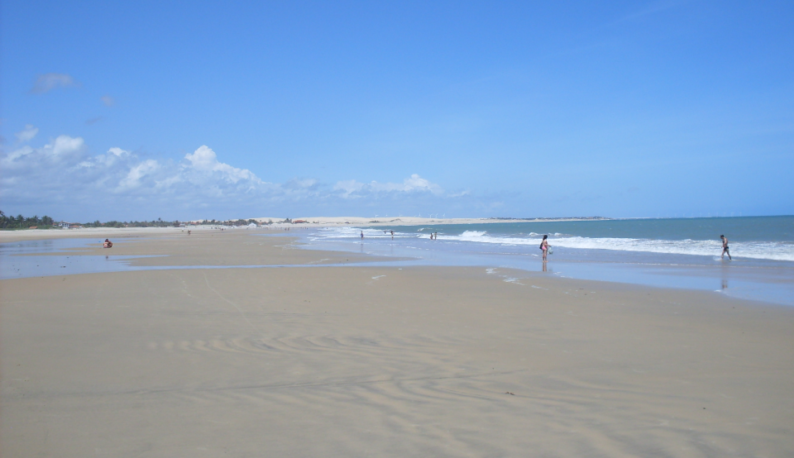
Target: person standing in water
<point>725,249</point>
<point>362,235</point>
<point>544,245</point>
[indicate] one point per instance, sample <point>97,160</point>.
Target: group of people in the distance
<point>544,245</point>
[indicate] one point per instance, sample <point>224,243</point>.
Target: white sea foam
<point>775,251</point>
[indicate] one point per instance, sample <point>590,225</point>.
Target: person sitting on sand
<point>725,249</point>
<point>544,245</point>
<point>107,244</point>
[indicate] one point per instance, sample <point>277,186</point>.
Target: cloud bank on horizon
<point>62,172</point>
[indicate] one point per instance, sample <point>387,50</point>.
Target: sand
<point>308,222</point>
<point>375,361</point>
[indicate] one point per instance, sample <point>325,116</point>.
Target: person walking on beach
<point>725,249</point>
<point>544,245</point>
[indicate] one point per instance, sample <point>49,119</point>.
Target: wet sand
<point>375,361</point>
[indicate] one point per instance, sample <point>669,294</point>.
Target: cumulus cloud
<point>203,167</point>
<point>412,184</point>
<point>118,152</point>
<point>66,173</point>
<point>52,153</point>
<point>136,173</point>
<point>49,81</point>
<point>64,145</point>
<point>108,100</point>
<point>27,133</point>
<point>302,184</point>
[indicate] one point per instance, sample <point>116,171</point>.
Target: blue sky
<point>140,110</point>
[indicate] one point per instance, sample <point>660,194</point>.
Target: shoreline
<point>381,361</point>
<point>768,284</point>
<point>312,223</point>
<point>319,221</point>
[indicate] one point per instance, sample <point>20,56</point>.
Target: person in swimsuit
<point>107,244</point>
<point>725,249</point>
<point>544,245</point>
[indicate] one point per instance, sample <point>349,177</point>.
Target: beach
<point>307,356</point>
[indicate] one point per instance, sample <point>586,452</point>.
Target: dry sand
<point>308,222</point>
<point>366,361</point>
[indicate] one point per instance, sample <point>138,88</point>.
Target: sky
<point>216,110</point>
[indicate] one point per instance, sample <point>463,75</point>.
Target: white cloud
<point>58,149</point>
<point>203,165</point>
<point>49,81</point>
<point>108,100</point>
<point>14,155</point>
<point>66,174</point>
<point>139,171</point>
<point>414,183</point>
<point>348,187</point>
<point>301,184</point>
<point>118,152</point>
<point>27,133</point>
<point>64,145</point>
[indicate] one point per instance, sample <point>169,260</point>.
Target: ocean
<point>666,253</point>
<point>675,252</point>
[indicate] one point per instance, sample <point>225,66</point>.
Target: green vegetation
<point>45,222</point>
<point>233,222</point>
<point>21,222</point>
<point>153,223</point>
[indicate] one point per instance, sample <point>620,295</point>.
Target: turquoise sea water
<point>679,253</point>
<point>670,253</point>
<point>744,229</point>
<point>763,238</point>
